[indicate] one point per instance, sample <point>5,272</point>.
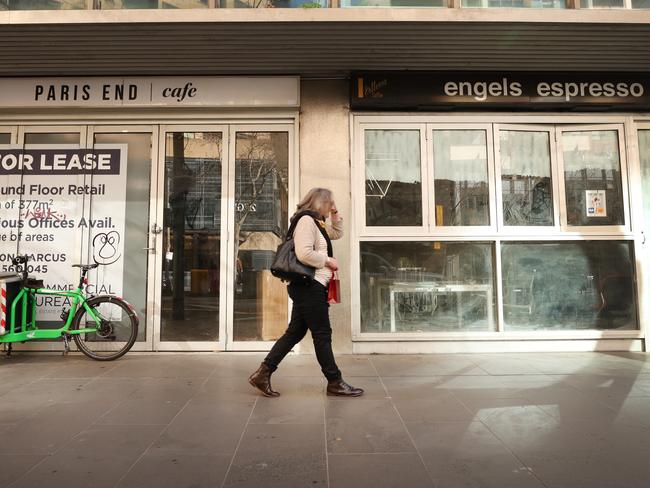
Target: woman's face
<point>327,207</point>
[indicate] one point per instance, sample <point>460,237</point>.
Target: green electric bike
<point>103,327</point>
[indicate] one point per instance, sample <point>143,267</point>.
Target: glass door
<point>118,220</point>
<point>260,158</point>
<point>191,242</point>
<point>223,208</point>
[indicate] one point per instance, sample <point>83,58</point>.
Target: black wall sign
<point>60,161</point>
<point>501,91</point>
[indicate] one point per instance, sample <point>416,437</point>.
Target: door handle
<point>152,249</point>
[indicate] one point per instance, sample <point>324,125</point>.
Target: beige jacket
<point>311,247</point>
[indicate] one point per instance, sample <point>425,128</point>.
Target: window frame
<point>458,230</point>
<point>518,230</point>
<point>622,150</point>
<point>360,184</point>
<point>626,125</point>
<point>12,131</point>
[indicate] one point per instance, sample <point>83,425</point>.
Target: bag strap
<point>294,222</point>
<point>321,228</point>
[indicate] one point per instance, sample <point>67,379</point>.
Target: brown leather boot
<point>261,379</point>
<point>341,388</point>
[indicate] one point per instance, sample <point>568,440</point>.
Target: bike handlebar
<point>20,259</point>
<point>20,263</point>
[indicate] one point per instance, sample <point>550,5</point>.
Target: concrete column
<point>325,162</point>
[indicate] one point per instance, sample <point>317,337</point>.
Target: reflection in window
<point>526,178</point>
<point>393,3</point>
<point>191,237</point>
<point>152,4</point>
<point>5,138</point>
<point>569,285</point>
<point>261,216</point>
<point>42,4</point>
<point>273,3</point>
<point>393,178</point>
<point>514,3</point>
<point>461,177</point>
<point>52,138</point>
<point>644,153</point>
<point>136,235</point>
<point>602,3</point>
<point>592,176</point>
<point>427,286</point>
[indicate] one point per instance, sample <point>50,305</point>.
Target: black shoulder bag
<point>286,265</point>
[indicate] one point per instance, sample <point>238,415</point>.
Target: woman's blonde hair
<point>315,200</point>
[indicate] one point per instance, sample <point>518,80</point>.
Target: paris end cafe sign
<point>207,91</point>
<point>501,91</point>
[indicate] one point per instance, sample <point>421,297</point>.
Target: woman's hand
<point>334,213</point>
<point>332,263</point>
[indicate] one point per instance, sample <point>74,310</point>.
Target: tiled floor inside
<point>569,420</point>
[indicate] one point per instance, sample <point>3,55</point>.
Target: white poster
<point>63,206</point>
<point>596,203</point>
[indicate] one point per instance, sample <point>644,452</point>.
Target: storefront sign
<point>58,162</point>
<point>61,207</point>
<point>512,91</point>
<point>264,91</point>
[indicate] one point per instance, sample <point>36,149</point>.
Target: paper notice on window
<point>596,203</point>
<point>467,153</point>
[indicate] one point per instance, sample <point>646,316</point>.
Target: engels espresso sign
<point>511,91</point>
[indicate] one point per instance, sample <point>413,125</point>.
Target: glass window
<point>136,216</point>
<point>602,3</point>
<point>569,285</point>
<point>52,138</point>
<point>644,153</point>
<point>427,286</point>
<point>526,188</point>
<point>184,4</point>
<point>393,178</point>
<point>5,138</point>
<point>152,4</point>
<point>43,4</point>
<point>592,178</point>
<point>461,177</point>
<point>273,3</point>
<point>514,3</point>
<point>393,3</point>
<point>191,237</point>
<point>640,3</point>
<point>126,4</point>
<point>261,217</point>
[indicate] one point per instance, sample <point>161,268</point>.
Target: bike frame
<point>29,329</point>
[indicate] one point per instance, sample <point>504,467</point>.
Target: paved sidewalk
<point>189,420</point>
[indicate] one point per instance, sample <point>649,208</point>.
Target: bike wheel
<point>116,333</point>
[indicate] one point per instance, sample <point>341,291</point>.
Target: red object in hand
<point>334,290</point>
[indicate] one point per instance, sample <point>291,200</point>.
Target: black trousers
<point>310,311</point>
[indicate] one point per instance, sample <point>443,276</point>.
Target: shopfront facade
<point>185,220</point>
<point>513,220</point>
<point>469,227</point>
<point>491,167</point>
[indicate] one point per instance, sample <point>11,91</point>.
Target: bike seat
<point>85,267</point>
<point>33,283</point>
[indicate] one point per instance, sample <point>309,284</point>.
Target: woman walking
<point>310,308</point>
